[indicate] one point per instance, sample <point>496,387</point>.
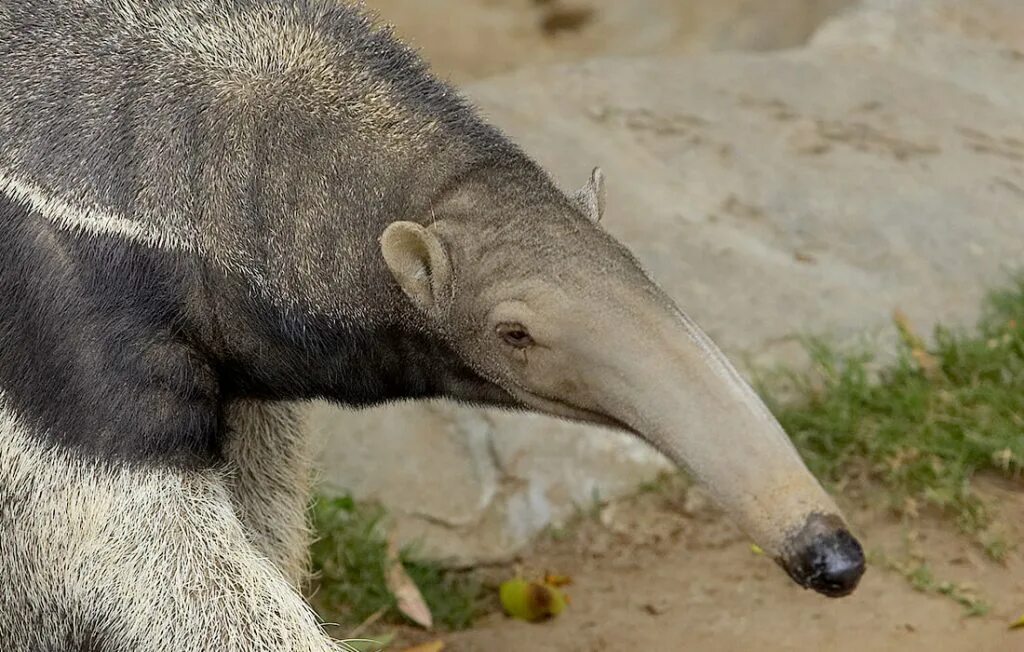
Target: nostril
<point>825,557</point>
<point>838,563</point>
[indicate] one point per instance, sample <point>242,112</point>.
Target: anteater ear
<point>590,198</point>
<point>419,262</point>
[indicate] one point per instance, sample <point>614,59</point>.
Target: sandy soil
<point>658,572</point>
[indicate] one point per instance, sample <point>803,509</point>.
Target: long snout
<point>675,388</point>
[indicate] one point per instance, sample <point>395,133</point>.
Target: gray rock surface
<point>473,39</point>
<point>812,190</point>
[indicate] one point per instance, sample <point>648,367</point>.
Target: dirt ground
<point>659,572</point>
<point>662,573</point>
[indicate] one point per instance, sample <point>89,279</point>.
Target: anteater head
<point>535,296</point>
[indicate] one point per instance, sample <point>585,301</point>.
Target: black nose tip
<point>825,557</point>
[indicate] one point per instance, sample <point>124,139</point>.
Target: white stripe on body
<point>94,220</point>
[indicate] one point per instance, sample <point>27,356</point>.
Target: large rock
<point>473,485</point>
<point>772,195</point>
<point>470,39</point>
<point>978,45</point>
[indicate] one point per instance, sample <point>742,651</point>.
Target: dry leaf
<point>433,646</point>
<point>410,600</point>
<point>1017,624</point>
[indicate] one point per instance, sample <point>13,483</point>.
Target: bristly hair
<point>192,193</point>
<point>151,121</point>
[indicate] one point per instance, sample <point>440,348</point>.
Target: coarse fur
<point>268,478</point>
<point>104,558</point>
<point>190,193</point>
<point>192,186</point>
<point>213,209</point>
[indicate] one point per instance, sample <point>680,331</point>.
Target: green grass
<point>350,563</point>
<point>922,579</point>
<point>924,424</point>
<point>916,570</point>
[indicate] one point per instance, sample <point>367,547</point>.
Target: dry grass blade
<point>362,645</point>
<point>927,362</point>
<point>366,624</point>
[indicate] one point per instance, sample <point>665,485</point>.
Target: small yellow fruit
<point>531,601</point>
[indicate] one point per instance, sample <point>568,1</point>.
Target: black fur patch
<point>125,353</point>
<point>90,640</point>
<point>97,353</point>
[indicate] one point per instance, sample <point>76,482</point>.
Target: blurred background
<point>851,170</point>
<point>472,39</point>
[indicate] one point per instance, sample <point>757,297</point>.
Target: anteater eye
<point>514,335</point>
